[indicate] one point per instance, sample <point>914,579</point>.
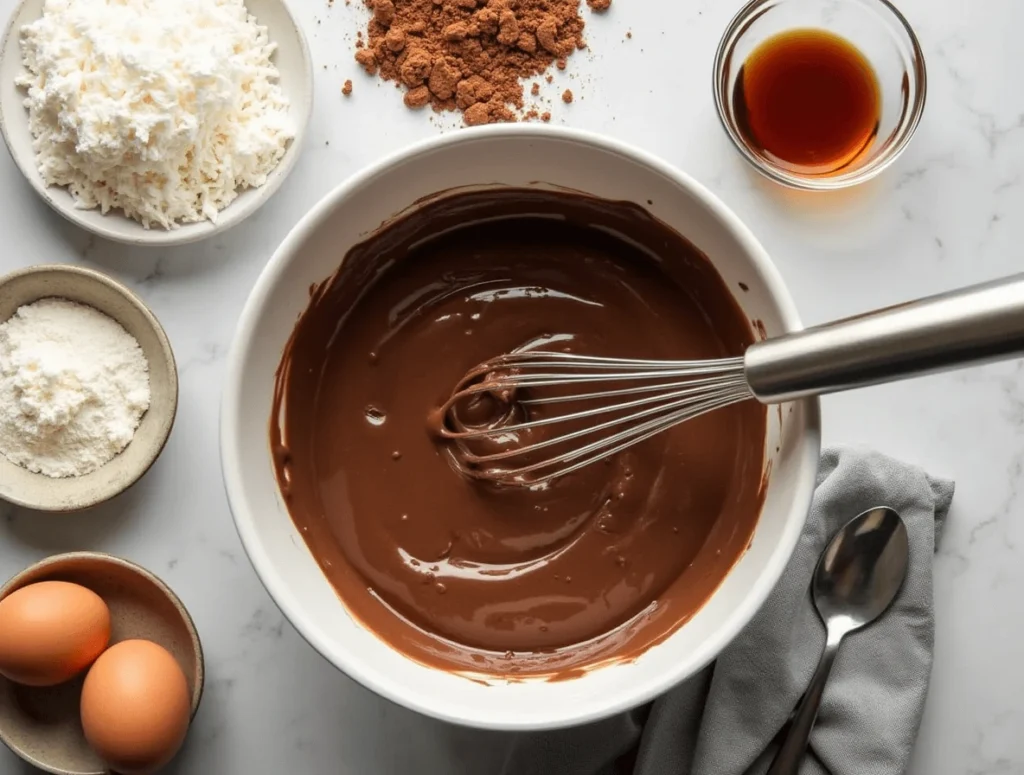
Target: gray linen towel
<point>728,719</point>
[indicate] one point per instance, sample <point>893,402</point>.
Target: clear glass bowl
<point>882,35</point>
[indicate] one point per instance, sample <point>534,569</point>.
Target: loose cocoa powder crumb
<point>535,89</point>
<point>549,78</point>
<point>367,59</point>
<point>347,88</point>
<point>545,116</point>
<point>417,98</point>
<point>629,35</point>
<point>567,96</point>
<point>384,12</point>
<point>395,39</point>
<point>470,55</point>
<point>473,90</point>
<point>599,5</point>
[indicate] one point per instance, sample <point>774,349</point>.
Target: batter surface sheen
<point>466,576</point>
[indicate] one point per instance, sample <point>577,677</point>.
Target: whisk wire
<point>710,382</point>
<point>630,438</point>
<point>693,388</point>
<point>535,358</point>
<point>675,400</point>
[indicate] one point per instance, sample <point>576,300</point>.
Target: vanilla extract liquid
<point>809,101</point>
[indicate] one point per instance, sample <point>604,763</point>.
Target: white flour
<point>73,388</point>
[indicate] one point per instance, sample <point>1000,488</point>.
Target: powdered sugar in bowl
<point>76,431</point>
<point>154,123</point>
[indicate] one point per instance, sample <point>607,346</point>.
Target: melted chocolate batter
<point>464,575</point>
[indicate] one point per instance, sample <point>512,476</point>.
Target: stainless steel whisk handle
<point>976,325</point>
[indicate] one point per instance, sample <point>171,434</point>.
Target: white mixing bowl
<point>515,156</point>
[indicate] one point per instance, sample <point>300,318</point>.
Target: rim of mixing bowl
<point>632,694</point>
<point>916,77</point>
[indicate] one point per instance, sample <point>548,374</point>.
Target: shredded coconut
<point>163,108</point>
<point>73,388</point>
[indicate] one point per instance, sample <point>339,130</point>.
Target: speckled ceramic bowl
<point>35,491</point>
<point>42,725</point>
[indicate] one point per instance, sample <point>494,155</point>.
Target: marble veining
<point>945,215</point>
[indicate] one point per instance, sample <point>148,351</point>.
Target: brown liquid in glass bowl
<point>809,101</point>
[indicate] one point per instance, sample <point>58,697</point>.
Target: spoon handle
<point>791,752</point>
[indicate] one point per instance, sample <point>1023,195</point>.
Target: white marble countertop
<point>948,214</point>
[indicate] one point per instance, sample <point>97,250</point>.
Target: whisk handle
<point>967,327</point>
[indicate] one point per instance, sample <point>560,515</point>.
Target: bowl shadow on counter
<point>21,767</point>
<point>862,216</point>
<point>137,266</point>
<point>826,226</point>
<point>252,242</point>
<point>856,205</point>
<point>318,716</point>
<point>323,722</point>
<point>56,533</point>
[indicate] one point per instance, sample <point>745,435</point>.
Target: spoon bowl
<point>857,578</point>
<point>862,570</point>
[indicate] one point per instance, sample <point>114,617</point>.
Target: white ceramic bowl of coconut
<point>150,138</point>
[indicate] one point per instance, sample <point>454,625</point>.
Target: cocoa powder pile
<point>470,55</point>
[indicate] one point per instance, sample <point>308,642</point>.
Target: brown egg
<point>50,631</point>
<point>135,707</point>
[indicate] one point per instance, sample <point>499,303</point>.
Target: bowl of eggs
<point>101,667</point>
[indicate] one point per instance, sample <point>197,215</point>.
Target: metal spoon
<point>856,580</point>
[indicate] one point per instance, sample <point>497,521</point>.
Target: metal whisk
<point>627,401</point>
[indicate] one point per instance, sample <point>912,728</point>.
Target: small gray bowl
<point>43,725</point>
<point>36,491</point>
